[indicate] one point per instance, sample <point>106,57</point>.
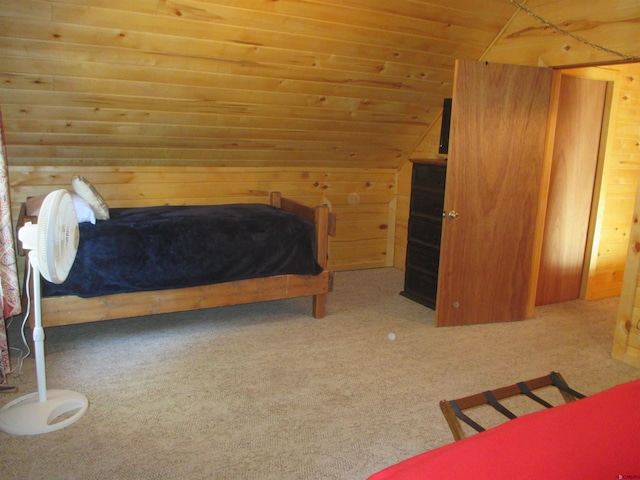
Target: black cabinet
<point>425,227</point>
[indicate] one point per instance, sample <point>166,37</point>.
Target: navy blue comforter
<point>155,248</point>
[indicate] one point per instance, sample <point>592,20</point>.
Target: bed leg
<point>319,304</point>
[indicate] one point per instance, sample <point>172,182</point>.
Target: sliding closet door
<point>494,174</point>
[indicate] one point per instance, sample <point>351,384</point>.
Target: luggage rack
<point>453,410</point>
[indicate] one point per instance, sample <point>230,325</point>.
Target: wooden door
<point>494,174</point>
<point>573,172</point>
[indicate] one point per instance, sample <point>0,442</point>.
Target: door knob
<point>453,214</point>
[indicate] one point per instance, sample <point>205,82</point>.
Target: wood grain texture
<point>70,310</point>
<point>291,85</point>
<point>616,184</point>
<point>494,177</point>
<point>237,82</point>
<point>626,347</point>
<point>573,173</point>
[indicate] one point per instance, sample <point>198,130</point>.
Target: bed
<point>594,437</point>
<point>209,256</point>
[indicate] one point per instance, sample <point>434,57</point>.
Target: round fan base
<point>28,415</point>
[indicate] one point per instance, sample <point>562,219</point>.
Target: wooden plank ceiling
<point>290,83</point>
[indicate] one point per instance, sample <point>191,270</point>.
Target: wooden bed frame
<point>66,310</point>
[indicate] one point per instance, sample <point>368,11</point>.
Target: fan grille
<point>58,236</point>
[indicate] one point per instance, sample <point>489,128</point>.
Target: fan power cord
<point>16,372</point>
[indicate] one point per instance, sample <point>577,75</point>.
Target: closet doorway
<point>577,158</point>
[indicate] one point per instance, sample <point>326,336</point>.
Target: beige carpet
<point>267,392</point>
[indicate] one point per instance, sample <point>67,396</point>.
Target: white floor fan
<point>52,245</point>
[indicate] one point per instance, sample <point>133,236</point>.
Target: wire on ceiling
<point>572,35</point>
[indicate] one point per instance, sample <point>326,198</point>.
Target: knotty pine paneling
<point>363,237</point>
<point>610,24</point>
<point>232,83</point>
<point>619,181</point>
<point>402,215</point>
<point>626,338</point>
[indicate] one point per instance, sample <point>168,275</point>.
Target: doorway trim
<point>596,219</point>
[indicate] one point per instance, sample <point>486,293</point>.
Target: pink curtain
<point>9,285</point>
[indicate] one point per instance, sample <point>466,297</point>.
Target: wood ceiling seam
<point>249,34</point>
<point>499,35</point>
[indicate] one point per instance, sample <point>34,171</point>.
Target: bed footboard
<point>325,223</point>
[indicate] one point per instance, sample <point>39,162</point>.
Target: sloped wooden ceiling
<point>326,83</point>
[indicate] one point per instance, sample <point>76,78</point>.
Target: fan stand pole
<point>38,331</point>
<point>43,411</point>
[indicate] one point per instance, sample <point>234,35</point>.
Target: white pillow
<point>33,205</point>
<point>87,191</point>
<point>84,212</point>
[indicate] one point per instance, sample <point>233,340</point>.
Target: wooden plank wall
<point>360,199</point>
<point>626,338</point>
<point>619,182</point>
<point>238,82</point>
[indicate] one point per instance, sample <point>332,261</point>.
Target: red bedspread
<point>594,438</point>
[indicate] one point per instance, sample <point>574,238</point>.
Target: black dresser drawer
<point>429,176</point>
<point>427,259</point>
<point>420,287</point>
<point>427,203</point>
<point>425,231</point>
